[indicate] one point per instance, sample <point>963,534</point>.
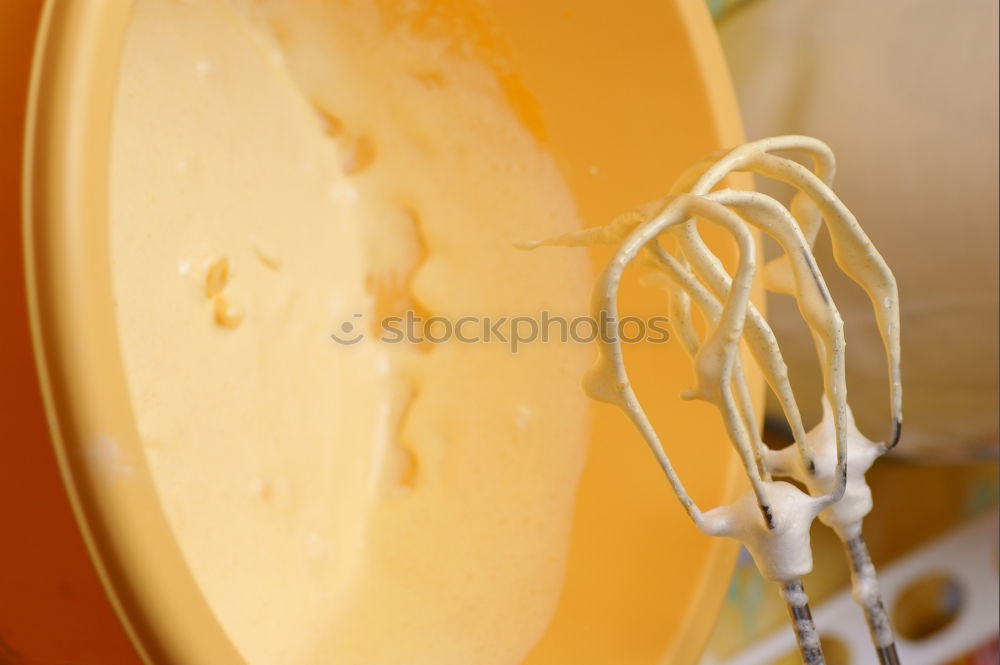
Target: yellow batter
<point>274,174</point>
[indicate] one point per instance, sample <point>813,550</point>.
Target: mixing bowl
<point>91,570</point>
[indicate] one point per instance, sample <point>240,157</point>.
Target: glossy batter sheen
<point>276,172</point>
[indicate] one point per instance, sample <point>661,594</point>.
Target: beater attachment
<point>774,517</point>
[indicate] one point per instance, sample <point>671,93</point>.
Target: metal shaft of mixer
<point>802,622</point>
<point>871,603</point>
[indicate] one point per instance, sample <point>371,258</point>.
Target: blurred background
<point>905,93</point>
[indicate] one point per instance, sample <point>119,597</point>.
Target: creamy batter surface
<point>279,172</point>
